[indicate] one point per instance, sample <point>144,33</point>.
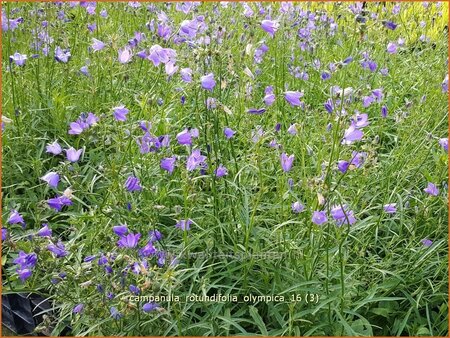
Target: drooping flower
<point>431,189</point>
<point>228,132</point>
<point>15,218</point>
<point>297,207</point>
<point>155,235</point>
<point>319,217</point>
<point>158,55</point>
<point>426,242</point>
<point>97,45</point>
<point>293,97</point>
<point>286,161</point>
<point>184,224</point>
<point>54,148</point>
<point>390,208</point>
<point>361,120</point>
<point>59,202</point>
<point>208,82</point>
<point>270,26</point>
<point>343,166</point>
<point>58,249</point>
<point>352,134</point>
<point>129,241</point>
<point>168,163</point>
<point>342,215</point>
<point>148,307</point>
<point>26,261</point>
<point>4,234</point>
<point>73,155</point>
<point>120,113</point>
<point>132,184</point>
<point>24,274</point>
<point>390,25</point>
<point>45,231</point>
<point>78,308</point>
<point>120,230</point>
<point>51,178</point>
<point>184,137</point>
<point>358,158</point>
<point>134,289</point>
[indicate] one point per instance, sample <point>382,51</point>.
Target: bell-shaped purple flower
<point>58,249</point>
<point>73,155</point>
<point>390,208</point>
<point>270,26</point>
<point>186,75</point>
<point>120,230</point>
<point>184,224</point>
<point>297,207</point>
<point>352,134</point>
<point>15,218</point>
<point>431,189</point>
<point>319,217</point>
<point>45,231</point>
<point>342,215</point>
<point>62,55</point>
<point>78,308</point>
<point>59,202</point>
<point>195,160</point>
<point>168,163</point>
<point>133,184</point>
<point>443,142</point>
<point>293,97</point>
<point>97,45</point>
<point>54,148</point>
<point>51,178</point>
<point>129,241</point>
<point>120,113</point>
<point>228,132</point>
<point>124,55</point>
<point>286,161</point>
<point>208,82</point>
<point>149,307</point>
<point>221,171</point>
<point>19,59</point>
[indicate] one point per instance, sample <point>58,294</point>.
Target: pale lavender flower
<point>19,59</point>
<point>73,155</point>
<point>390,208</point>
<point>319,217</point>
<point>120,113</point>
<point>293,97</point>
<point>270,26</point>
<point>54,148</point>
<point>297,207</point>
<point>97,45</point>
<point>431,189</point>
<point>286,161</point>
<point>208,82</point>
<point>124,55</point>
<point>51,178</point>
